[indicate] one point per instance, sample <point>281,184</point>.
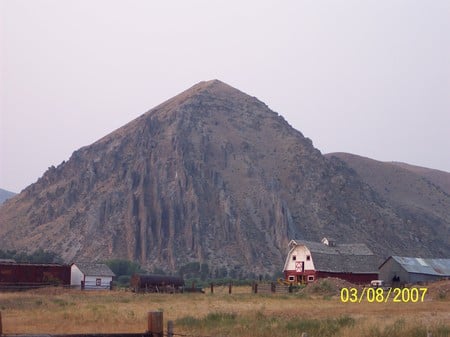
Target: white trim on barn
<point>298,259</point>
<point>92,276</point>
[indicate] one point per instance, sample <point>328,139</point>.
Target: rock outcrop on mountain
<point>211,175</point>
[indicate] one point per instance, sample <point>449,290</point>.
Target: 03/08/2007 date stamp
<point>379,295</point>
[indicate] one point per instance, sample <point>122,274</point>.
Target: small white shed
<point>92,276</point>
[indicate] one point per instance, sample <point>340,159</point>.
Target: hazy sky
<point>366,77</point>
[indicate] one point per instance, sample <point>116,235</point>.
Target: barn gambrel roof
<point>94,269</point>
<point>417,265</point>
<point>341,258</point>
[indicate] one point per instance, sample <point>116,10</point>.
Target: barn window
<point>291,278</point>
<point>294,257</point>
<point>308,257</point>
<point>310,278</point>
<point>98,282</point>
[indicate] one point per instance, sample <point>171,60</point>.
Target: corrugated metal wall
<point>33,274</point>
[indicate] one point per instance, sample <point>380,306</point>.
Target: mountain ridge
<point>4,195</point>
<point>414,191</point>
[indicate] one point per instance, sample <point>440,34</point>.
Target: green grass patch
<point>400,329</point>
<point>214,319</point>
<point>317,327</point>
<point>264,325</point>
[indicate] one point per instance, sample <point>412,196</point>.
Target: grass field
<point>55,310</point>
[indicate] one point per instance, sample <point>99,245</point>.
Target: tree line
<point>38,256</point>
<point>199,273</point>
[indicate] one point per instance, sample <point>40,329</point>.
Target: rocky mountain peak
<point>211,175</point>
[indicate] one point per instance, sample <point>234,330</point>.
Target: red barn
<point>25,275</point>
<point>307,261</point>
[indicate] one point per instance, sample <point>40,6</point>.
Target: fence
<point>155,328</point>
<point>270,288</point>
<point>18,286</point>
<point>94,285</point>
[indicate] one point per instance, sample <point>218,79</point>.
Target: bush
<point>123,269</point>
<point>123,280</point>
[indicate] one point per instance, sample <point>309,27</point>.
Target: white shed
<point>94,276</point>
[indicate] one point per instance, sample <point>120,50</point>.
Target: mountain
<point>437,177</point>
<point>212,176</point>
<point>4,194</point>
<point>418,194</point>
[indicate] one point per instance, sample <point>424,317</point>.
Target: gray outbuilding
<point>400,270</point>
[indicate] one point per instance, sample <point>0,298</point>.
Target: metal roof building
<point>94,269</point>
<point>414,269</point>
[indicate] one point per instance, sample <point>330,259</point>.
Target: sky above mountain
<point>365,77</point>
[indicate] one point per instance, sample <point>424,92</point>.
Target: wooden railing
<point>155,328</point>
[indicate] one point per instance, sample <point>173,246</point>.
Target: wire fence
<point>28,286</point>
<point>38,285</point>
<point>154,323</point>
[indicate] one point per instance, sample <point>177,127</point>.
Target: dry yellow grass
<point>57,310</point>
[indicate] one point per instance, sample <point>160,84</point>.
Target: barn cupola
<point>329,241</point>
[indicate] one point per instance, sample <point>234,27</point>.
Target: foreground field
<point>55,310</point>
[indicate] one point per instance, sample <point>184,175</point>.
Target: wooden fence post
<point>212,288</point>
<point>1,327</point>
<point>229,287</point>
<point>273,287</point>
<point>155,323</point>
<point>170,329</point>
